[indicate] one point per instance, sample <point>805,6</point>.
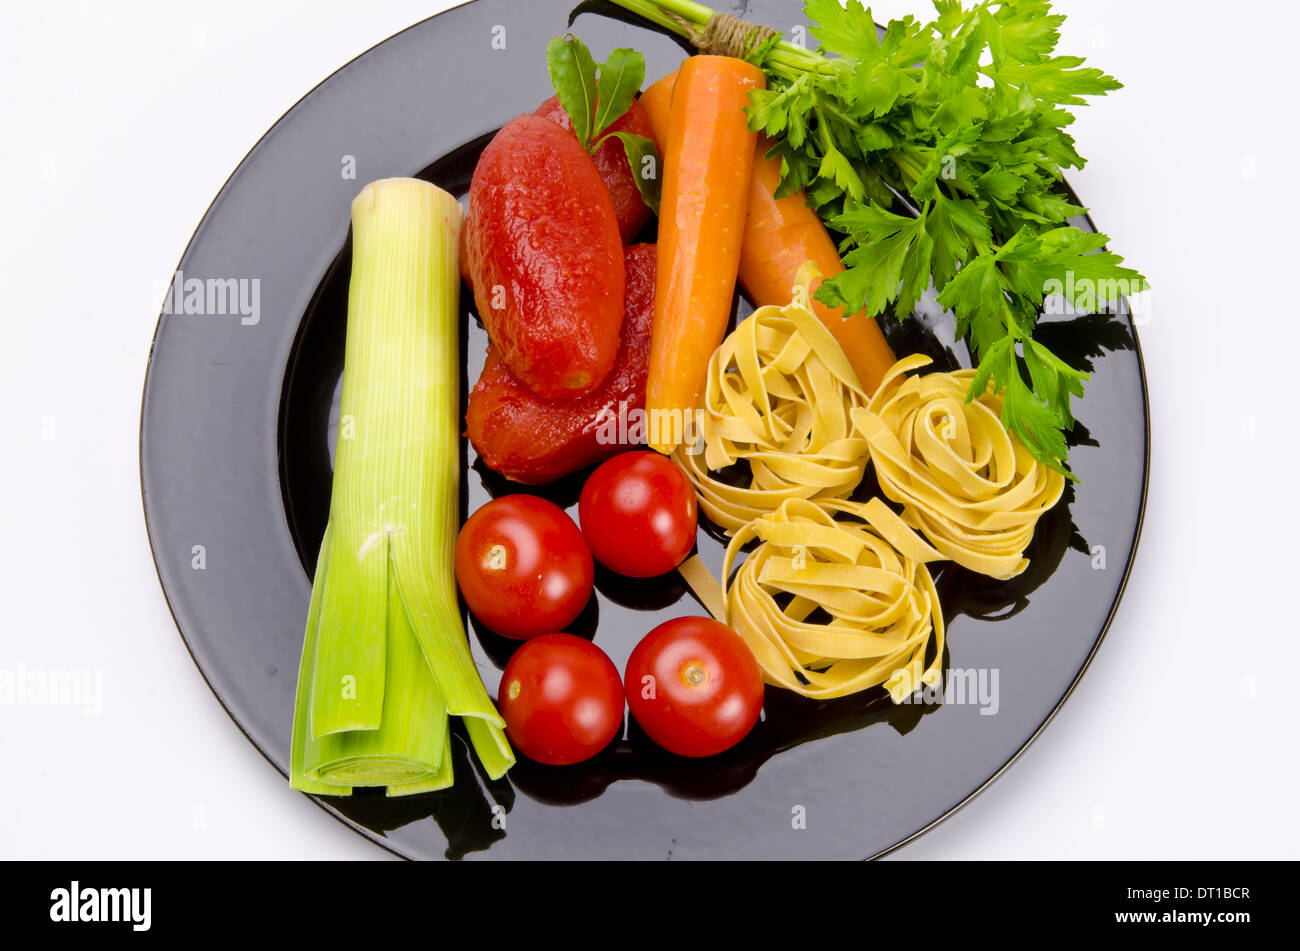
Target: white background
<point>118,125</point>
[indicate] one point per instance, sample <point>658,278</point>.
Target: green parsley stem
<point>823,129</point>
<point>785,58</point>
<point>909,163</point>
<point>653,12</point>
<point>840,114</point>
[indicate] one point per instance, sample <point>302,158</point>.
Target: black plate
<point>237,430</point>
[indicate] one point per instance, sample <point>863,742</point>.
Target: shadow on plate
<point>470,813</point>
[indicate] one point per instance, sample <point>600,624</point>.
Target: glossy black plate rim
<point>144,397</point>
<point>378,839</point>
<point>1114,608</point>
<point>1101,636</point>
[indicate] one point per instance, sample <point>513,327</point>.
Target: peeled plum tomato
<point>561,699</point>
<point>638,514</point>
<point>611,162</point>
<point>542,249</point>
<point>694,686</point>
<point>523,567</point>
<point>534,440</point>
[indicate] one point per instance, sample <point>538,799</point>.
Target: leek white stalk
<point>385,657</point>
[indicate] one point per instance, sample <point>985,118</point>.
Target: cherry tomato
<point>561,699</point>
<point>638,514</point>
<point>523,566</point>
<point>694,686</point>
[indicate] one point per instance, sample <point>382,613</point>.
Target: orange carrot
<point>780,234</point>
<point>656,101</point>
<point>708,158</point>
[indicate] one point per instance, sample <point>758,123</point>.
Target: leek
<point>385,659</point>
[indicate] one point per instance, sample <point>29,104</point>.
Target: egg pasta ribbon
<point>866,570</point>
<point>964,481</point>
<point>778,395</point>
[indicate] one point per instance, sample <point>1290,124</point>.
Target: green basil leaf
<point>573,74</point>
<point>620,80</point>
<point>647,166</point>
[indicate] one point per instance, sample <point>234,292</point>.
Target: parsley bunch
<point>937,151</point>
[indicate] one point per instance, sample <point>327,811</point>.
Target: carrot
<point>656,101</point>
<point>780,234</point>
<point>708,158</point>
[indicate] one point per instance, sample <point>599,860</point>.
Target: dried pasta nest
<point>837,596</point>
<point>866,570</point>
<point>779,396</point>
<point>962,479</point>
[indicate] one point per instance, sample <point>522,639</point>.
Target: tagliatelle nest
<point>867,572</point>
<point>967,484</point>
<point>778,395</point>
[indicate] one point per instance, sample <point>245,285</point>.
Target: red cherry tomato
<point>638,514</point>
<point>561,699</point>
<point>694,686</point>
<point>523,566</point>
